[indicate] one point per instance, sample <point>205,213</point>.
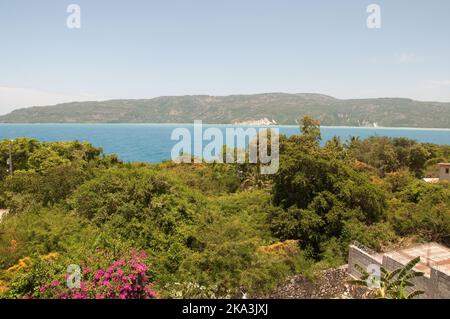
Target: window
<point>447,170</point>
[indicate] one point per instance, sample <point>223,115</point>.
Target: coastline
<point>237,125</point>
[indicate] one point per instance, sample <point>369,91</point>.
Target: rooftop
<point>431,255</point>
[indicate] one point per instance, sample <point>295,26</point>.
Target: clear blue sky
<point>143,49</point>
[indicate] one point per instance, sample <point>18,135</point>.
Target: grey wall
<point>442,173</point>
<point>436,285</point>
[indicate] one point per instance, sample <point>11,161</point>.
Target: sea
<point>153,142</point>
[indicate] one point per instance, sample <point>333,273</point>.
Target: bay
<point>152,142</point>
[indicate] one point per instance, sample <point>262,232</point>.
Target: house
<point>3,212</point>
<point>444,171</point>
<point>444,174</point>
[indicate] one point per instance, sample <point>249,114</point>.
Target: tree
<point>417,158</point>
<point>310,129</point>
<point>22,148</point>
<point>317,191</point>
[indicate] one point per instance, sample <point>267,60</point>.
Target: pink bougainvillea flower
<point>105,277</point>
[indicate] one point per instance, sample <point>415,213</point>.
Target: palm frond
<point>392,284</point>
<point>393,274</point>
<point>408,267</point>
<point>413,275</point>
<point>360,269</point>
<point>415,294</point>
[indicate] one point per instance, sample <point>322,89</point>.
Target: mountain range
<point>279,108</point>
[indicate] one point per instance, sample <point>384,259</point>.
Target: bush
<point>41,231</point>
<point>103,275</point>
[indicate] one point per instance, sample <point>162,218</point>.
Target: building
<point>444,171</point>
<point>444,174</point>
<point>434,263</point>
<point>3,212</point>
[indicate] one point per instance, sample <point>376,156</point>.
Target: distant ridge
<point>281,108</point>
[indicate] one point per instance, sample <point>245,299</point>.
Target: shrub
<point>104,275</point>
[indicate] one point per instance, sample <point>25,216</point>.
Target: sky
<point>145,49</point>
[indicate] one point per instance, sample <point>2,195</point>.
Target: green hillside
<point>280,107</point>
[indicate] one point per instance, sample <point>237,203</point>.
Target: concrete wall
<point>441,280</point>
<point>443,175</point>
<point>421,283</point>
<point>360,257</point>
<point>435,285</point>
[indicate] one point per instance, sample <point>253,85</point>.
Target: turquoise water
<point>152,143</point>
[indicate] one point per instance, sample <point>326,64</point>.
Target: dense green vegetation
<point>210,229</point>
<point>281,107</point>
